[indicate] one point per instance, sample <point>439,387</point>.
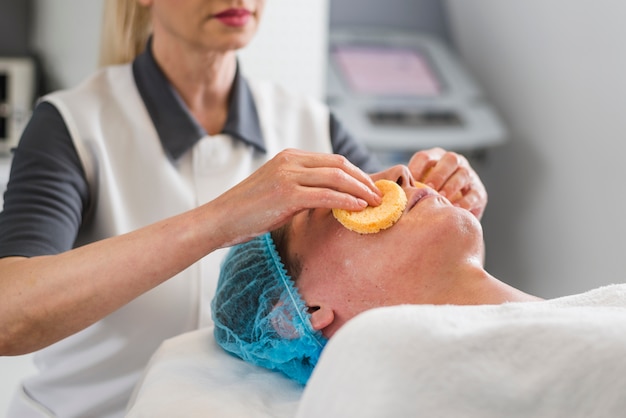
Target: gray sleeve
<point>47,193</point>
<point>345,144</point>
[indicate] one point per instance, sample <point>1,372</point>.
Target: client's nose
<point>401,175</point>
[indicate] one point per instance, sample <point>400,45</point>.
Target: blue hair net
<point>259,315</point>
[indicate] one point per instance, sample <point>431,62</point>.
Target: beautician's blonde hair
<point>126,26</point>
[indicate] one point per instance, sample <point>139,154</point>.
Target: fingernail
<point>361,202</point>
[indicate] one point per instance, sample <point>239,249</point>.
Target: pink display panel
<point>386,71</point>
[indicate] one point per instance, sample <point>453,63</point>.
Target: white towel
<point>191,376</point>
<point>560,358</point>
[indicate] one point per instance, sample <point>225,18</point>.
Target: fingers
<point>441,170</point>
<point>331,178</point>
<point>321,197</point>
<point>423,161</point>
<point>452,176</point>
<point>472,201</point>
<point>289,183</point>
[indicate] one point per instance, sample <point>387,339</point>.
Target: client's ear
<point>321,317</point>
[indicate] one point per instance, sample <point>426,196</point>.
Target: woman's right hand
<point>47,298</point>
<point>290,182</point>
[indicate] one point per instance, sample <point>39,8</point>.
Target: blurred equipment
<point>396,83</point>
<point>18,79</point>
<point>17,93</point>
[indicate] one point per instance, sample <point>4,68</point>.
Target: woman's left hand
<point>452,176</point>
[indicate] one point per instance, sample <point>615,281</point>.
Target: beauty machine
<point>401,91</point>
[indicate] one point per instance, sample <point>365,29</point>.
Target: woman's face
<point>219,25</point>
<point>352,273</point>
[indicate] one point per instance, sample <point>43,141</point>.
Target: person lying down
<point>282,295</point>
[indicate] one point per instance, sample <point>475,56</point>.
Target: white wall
<point>289,48</point>
<point>555,69</point>
<point>66,35</point>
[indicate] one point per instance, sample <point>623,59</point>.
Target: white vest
<point>133,184</point>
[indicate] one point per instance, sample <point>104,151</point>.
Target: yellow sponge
<point>374,219</point>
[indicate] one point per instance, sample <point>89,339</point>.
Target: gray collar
<point>176,127</point>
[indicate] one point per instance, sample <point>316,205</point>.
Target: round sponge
<point>374,219</point>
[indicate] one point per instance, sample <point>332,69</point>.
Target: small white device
<point>17,93</point>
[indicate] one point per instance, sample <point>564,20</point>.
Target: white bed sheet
<point>191,376</point>
<point>564,357</point>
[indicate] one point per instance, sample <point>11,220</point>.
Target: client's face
<point>350,273</point>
